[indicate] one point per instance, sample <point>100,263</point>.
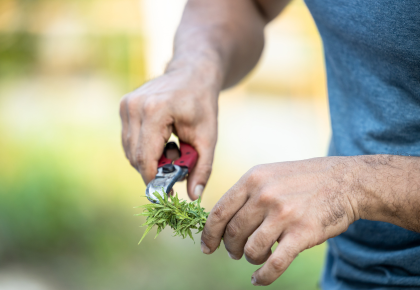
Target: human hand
<point>183,102</point>
<point>298,204</point>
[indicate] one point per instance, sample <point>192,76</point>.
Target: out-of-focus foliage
<point>50,204</point>
<point>66,190</point>
<point>52,37</point>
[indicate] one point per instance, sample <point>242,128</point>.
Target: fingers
<point>132,138</point>
<point>258,247</point>
<point>146,128</point>
<point>150,145</point>
<point>287,250</point>
<point>148,120</point>
<point>230,203</point>
<point>131,124</point>
<point>200,174</point>
<point>240,227</point>
<point>124,123</point>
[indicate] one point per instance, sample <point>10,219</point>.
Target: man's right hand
<point>217,43</point>
<point>181,101</point>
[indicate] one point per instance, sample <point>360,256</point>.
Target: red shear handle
<point>188,156</point>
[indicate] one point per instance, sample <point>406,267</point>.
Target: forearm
<point>219,40</point>
<point>388,189</point>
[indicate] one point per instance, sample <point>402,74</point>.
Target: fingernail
<point>254,282</point>
<point>204,248</point>
<point>232,257</point>
<point>198,191</point>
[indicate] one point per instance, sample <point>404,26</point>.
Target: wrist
<point>381,179</point>
<point>345,173</point>
<point>203,70</point>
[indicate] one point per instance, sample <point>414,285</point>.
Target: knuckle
<point>132,105</point>
<point>287,211</point>
<point>251,254</point>
<point>207,237</point>
<point>217,213</point>
<point>291,253</point>
<point>126,140</point>
<point>130,158</point>
<point>266,197</point>
<point>254,176</point>
<point>151,106</point>
<point>139,158</point>
<point>231,230</point>
<point>123,104</point>
<point>278,264</point>
<point>206,169</point>
<point>203,171</point>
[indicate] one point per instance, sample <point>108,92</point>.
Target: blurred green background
<point>66,190</point>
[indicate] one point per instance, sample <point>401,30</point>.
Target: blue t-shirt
<point>372,53</point>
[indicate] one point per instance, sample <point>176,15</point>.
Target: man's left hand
<point>298,204</point>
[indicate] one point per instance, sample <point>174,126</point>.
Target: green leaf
<point>144,213</point>
<point>158,231</point>
<point>157,195</point>
<point>145,233</point>
<point>190,234</point>
<point>165,195</point>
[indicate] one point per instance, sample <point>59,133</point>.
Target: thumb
<point>200,174</point>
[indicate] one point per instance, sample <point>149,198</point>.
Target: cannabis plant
<point>180,215</point>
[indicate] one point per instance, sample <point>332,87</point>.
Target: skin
<point>303,203</point>
<point>297,204</point>
<point>217,43</point>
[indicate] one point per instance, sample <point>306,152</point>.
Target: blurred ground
<point>66,191</point>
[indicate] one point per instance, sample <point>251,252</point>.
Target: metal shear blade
<point>164,181</point>
<point>168,173</point>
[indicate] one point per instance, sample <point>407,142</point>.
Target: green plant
<point>180,215</point>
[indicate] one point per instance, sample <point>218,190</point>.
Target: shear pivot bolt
<point>168,168</point>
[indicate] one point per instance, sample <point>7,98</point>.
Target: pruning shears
<point>169,171</point>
